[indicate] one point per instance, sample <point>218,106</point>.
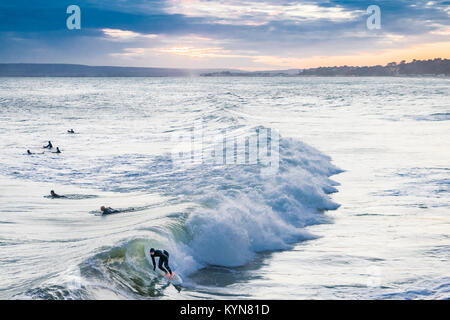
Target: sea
<point>258,187</point>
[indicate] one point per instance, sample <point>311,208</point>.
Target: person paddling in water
<point>108,210</point>
<point>163,263</point>
<point>48,146</point>
<point>55,195</point>
<point>30,153</point>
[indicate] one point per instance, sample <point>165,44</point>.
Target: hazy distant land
<point>436,67</point>
<point>78,70</point>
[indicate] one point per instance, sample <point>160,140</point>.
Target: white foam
<point>263,213</point>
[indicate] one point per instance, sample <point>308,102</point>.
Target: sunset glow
<point>234,34</point>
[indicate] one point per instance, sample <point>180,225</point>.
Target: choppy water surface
<point>359,206</point>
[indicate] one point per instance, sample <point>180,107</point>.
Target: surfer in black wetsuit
<point>57,150</point>
<point>163,262</point>
<point>54,195</point>
<point>30,153</point>
<point>108,210</point>
<point>70,131</point>
<point>48,146</point>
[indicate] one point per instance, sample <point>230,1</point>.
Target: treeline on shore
<point>431,67</point>
<point>435,67</point>
<point>415,67</point>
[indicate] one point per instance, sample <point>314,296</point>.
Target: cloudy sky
<point>244,34</point>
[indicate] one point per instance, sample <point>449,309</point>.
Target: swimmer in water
<point>54,195</point>
<point>31,153</point>
<point>48,146</point>
<point>108,210</point>
<point>70,131</point>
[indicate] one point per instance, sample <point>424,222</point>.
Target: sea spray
<point>263,212</point>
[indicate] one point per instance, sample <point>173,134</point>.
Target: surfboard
<point>176,280</point>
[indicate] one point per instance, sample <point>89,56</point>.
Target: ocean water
<point>356,205</point>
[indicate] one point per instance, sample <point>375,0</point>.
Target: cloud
<point>256,13</point>
<point>217,33</point>
<point>121,35</point>
<point>131,52</point>
<point>191,51</point>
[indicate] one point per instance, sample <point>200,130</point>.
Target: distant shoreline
<point>416,68</point>
<point>218,76</point>
<point>337,76</point>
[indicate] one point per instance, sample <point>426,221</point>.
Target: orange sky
<point>420,52</point>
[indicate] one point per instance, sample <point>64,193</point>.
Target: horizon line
<point>218,68</point>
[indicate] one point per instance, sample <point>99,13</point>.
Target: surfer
<point>30,153</point>
<point>70,131</point>
<point>48,146</point>
<point>163,263</point>
<point>55,195</point>
<point>108,210</point>
<point>57,150</point>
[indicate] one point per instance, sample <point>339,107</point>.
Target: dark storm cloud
<point>39,27</point>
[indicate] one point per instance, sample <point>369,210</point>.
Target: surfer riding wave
<point>163,263</point>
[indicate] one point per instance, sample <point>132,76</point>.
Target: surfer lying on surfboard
<point>163,263</point>
<point>108,210</point>
<point>55,195</point>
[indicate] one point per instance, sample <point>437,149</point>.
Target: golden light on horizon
<point>189,51</point>
<point>382,57</point>
<point>377,57</point>
<point>119,34</point>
